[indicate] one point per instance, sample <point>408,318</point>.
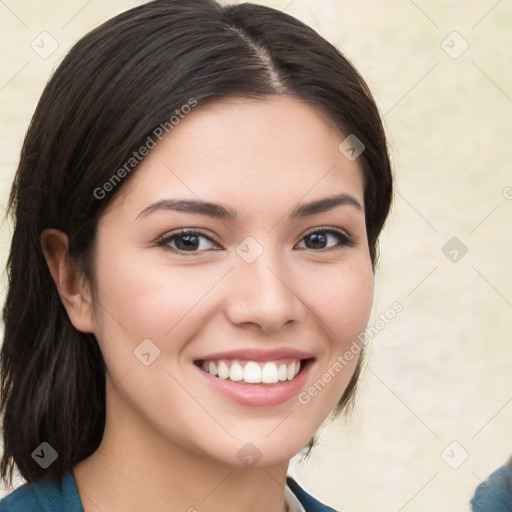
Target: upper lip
<point>258,354</point>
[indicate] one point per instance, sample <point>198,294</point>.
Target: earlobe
<point>68,280</point>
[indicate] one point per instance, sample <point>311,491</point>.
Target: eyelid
<point>328,228</point>
<point>349,239</point>
<point>180,231</point>
<point>184,231</point>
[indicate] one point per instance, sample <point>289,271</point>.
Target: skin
<point>171,441</point>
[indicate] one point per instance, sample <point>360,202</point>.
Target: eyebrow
<point>219,211</point>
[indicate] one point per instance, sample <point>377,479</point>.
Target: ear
<point>73,292</point>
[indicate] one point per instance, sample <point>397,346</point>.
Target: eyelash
<point>343,239</point>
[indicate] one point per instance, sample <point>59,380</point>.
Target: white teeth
<point>282,373</point>
<point>291,371</point>
<point>236,373</point>
<point>223,370</point>
<point>253,372</point>
<point>269,374</point>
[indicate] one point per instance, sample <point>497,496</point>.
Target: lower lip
<point>262,395</point>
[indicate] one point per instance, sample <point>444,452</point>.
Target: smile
<point>256,377</point>
<point>252,372</point>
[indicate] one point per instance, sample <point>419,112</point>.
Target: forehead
<point>247,153</point>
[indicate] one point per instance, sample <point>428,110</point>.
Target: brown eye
<point>186,242</point>
<point>318,240</point>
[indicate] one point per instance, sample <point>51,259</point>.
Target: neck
<point>137,468</point>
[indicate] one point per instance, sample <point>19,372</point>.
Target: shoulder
<point>44,495</point>
<point>495,493</point>
<point>309,503</point>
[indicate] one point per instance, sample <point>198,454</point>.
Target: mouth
<point>246,371</point>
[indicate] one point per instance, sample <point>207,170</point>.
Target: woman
<point>196,209</point>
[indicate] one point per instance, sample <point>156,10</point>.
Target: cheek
<point>343,301</point>
<point>160,303</point>
<point>342,309</point>
<point>138,299</point>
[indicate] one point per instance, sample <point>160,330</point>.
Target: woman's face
<point>259,281</point>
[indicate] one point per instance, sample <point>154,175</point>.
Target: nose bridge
<point>261,289</point>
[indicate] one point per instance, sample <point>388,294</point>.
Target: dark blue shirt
<point>46,495</point>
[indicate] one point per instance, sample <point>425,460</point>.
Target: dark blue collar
<point>308,502</point>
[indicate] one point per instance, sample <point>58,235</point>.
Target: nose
<point>262,293</point>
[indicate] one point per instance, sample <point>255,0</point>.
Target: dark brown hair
<point>113,88</point>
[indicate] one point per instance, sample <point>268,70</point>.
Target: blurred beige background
<point>434,412</point>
